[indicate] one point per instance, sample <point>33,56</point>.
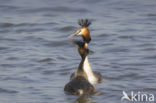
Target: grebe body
<point>79,83</point>
<point>79,86</point>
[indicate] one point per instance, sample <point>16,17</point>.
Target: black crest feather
<point>84,22</point>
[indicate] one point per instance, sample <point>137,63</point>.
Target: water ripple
<point>7,91</point>
<point>56,43</point>
<point>3,48</point>
<point>67,28</point>
<point>58,9</point>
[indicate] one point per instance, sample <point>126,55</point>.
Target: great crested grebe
<point>93,77</point>
<point>79,84</point>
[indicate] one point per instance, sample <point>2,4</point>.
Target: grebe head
<point>83,30</point>
<point>82,48</point>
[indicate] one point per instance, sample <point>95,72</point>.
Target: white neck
<point>88,70</point>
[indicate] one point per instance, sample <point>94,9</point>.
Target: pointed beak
<point>72,35</point>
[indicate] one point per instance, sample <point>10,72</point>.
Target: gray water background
<point>36,59</point>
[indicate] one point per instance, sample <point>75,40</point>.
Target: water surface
<point>36,59</point>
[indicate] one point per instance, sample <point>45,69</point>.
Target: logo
<point>138,97</point>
